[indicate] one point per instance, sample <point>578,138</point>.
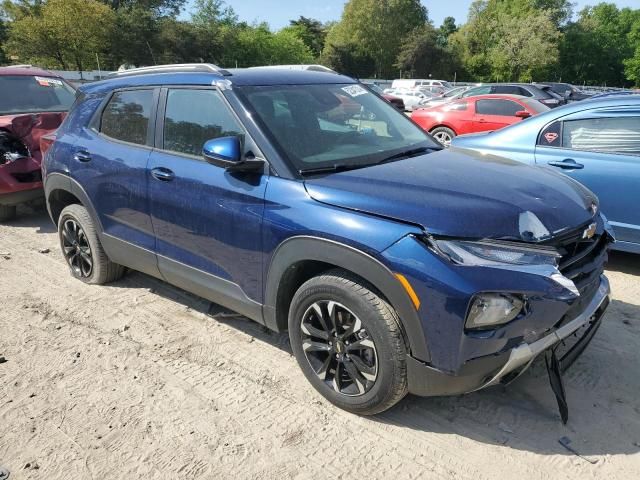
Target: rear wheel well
<point>60,199</point>
<point>442,126</point>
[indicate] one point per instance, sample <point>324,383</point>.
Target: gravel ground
<point>136,380</point>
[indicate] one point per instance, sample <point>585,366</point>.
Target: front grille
<point>582,261</point>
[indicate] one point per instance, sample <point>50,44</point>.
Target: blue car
<point>307,203</point>
<point>596,142</point>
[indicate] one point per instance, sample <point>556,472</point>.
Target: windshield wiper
<point>329,169</point>
<point>410,153</point>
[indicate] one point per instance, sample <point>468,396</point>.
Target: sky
<point>277,13</point>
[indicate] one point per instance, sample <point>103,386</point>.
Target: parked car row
<point>308,203</point>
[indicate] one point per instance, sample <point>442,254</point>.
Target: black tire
<point>7,212</point>
<point>443,135</point>
<point>380,324</point>
<point>102,270</point>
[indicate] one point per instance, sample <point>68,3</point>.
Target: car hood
<point>462,193</point>
<point>29,128</point>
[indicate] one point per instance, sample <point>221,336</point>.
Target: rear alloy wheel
<point>82,249</point>
<point>348,343</point>
<point>443,135</point>
<point>76,249</point>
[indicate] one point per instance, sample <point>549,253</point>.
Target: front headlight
<point>488,253</point>
<point>489,310</point>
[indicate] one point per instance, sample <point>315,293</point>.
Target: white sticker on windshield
<point>354,90</point>
<point>48,82</point>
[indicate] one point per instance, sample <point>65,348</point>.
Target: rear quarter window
<point>126,116</point>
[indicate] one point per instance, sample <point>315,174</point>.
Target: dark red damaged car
<point>33,103</point>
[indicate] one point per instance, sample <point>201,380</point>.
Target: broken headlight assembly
<point>11,148</point>
<point>489,310</point>
<point>493,253</point>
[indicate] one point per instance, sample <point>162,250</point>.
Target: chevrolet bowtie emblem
<point>590,231</point>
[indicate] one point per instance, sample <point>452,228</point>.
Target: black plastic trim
<point>426,381</point>
<point>305,248</point>
<point>211,287</point>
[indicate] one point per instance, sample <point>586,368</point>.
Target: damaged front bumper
<point>477,374</point>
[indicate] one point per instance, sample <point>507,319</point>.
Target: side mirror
<point>523,114</point>
<point>226,152</point>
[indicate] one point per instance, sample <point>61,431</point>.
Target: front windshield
<point>332,125</point>
<point>34,94</point>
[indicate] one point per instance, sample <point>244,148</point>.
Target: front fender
<point>307,248</point>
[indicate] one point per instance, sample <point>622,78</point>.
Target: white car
<point>412,99</point>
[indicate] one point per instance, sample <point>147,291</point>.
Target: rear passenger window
<point>506,90</point>
<point>126,116</point>
<point>505,108</point>
<point>612,135</point>
<point>477,91</point>
<point>194,116</point>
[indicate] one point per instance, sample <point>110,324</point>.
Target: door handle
<point>567,164</point>
<point>162,174</point>
<point>82,156</point>
<point>482,120</point>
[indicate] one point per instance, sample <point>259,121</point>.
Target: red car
<point>475,114</point>
<point>33,103</point>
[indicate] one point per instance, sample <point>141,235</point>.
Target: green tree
<point>213,13</point>
<point>54,38</point>
<point>422,55</point>
<point>509,40</point>
<point>311,32</point>
<point>447,29</point>
<point>375,29</point>
<point>159,7</point>
<point>596,46</point>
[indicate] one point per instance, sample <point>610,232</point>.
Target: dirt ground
<point>136,381</point>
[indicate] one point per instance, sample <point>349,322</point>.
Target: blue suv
<point>307,203</point>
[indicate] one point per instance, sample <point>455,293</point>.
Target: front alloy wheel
<point>348,342</point>
<point>76,248</point>
<point>338,348</point>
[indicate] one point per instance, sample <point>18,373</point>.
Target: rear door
<point>110,162</point>
<point>494,114</point>
<point>601,149</point>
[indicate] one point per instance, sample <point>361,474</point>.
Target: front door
<point>207,220</point>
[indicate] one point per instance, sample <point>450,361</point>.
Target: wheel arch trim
<point>59,181</point>
<point>307,248</point>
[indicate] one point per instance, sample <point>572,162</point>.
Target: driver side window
<point>194,116</point>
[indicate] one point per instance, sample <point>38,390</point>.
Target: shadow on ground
<point>33,216</point>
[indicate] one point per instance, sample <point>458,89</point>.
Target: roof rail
<point>20,66</point>
<point>172,68</point>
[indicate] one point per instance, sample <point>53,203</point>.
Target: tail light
<point>46,141</point>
